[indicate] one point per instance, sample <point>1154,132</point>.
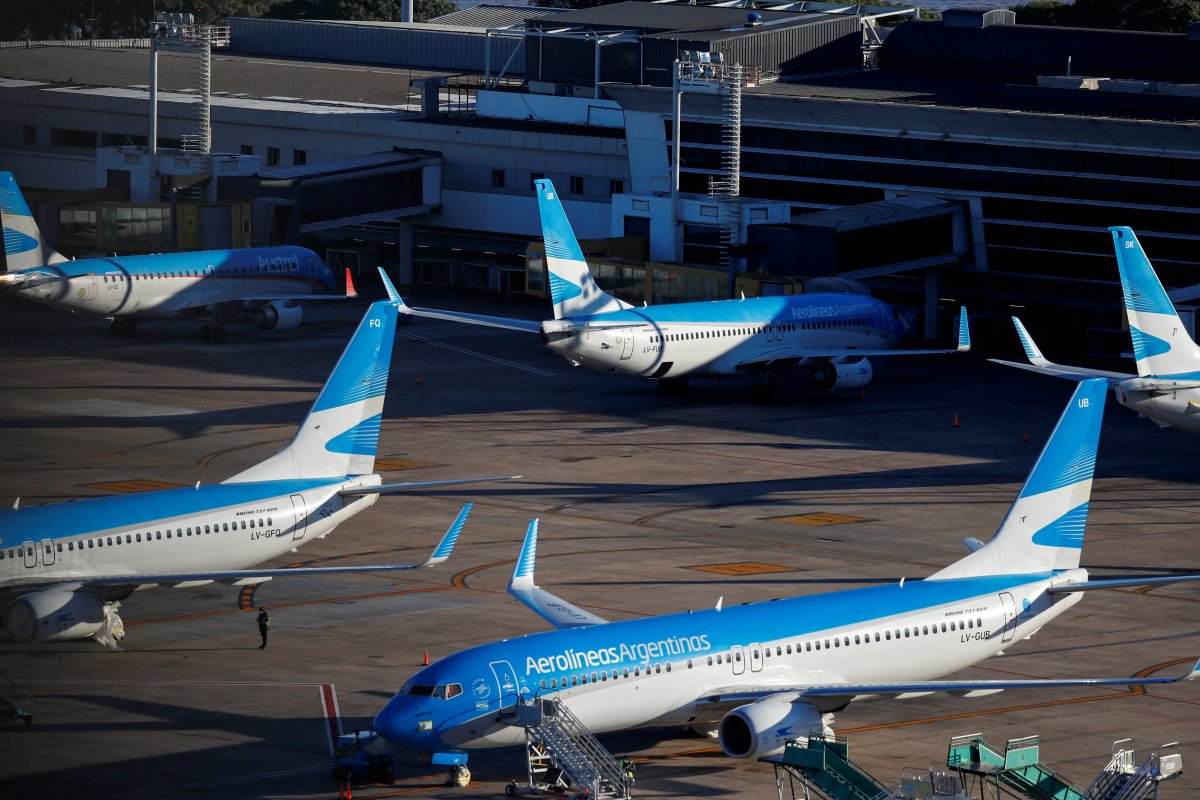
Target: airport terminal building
<point>970,158</point>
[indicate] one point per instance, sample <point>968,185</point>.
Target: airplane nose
<point>388,725</point>
<point>399,723</point>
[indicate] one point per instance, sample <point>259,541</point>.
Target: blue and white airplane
<point>1166,387</point>
<point>763,673</point>
<point>833,335</point>
<point>65,567</point>
<point>263,285</point>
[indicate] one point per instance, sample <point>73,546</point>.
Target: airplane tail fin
<point>1161,345</point>
<point>23,244</point>
<point>340,434</point>
<point>572,288</point>
<point>1044,529</point>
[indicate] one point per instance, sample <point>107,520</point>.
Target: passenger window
<point>574,680</point>
<point>110,540</point>
<point>554,683</point>
<point>710,661</point>
<point>594,676</point>
<point>226,524</point>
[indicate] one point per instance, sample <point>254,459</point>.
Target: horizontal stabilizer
<point>555,610</point>
<point>389,488</point>
<point>1121,583</point>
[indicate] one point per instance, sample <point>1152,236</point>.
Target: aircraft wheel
<point>510,790</point>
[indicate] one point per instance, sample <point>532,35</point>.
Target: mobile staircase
<point>558,746</point>
<point>1124,779</point>
<point>14,702</point>
<point>820,767</point>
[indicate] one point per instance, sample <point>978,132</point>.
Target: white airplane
<point>833,335</point>
<point>263,285</point>
<point>1166,387</point>
<point>763,673</point>
<point>65,567</point>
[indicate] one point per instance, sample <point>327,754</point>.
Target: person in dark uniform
<point>264,625</point>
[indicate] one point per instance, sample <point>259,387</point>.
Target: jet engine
<point>761,728</point>
<point>56,616</point>
<point>277,317</point>
<point>851,375</point>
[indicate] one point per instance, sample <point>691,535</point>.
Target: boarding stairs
<point>557,742</point>
<point>820,767</point>
<point>15,702</point>
<point>1124,779</point>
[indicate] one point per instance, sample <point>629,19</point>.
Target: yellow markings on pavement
<point>818,519</point>
<point>397,464</point>
<point>131,487</point>
<point>742,568</point>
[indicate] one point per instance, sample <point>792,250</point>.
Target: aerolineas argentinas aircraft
<point>1166,387</point>
<point>767,672</point>
<point>833,335</point>
<point>65,567</point>
<point>263,285</point>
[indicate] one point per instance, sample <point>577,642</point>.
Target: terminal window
<point>497,179</point>
<point>272,156</point>
<point>576,184</point>
<point>299,158</point>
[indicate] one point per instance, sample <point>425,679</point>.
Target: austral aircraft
<point>263,285</point>
<point>833,335</point>
<point>65,567</point>
<point>762,673</point>
<point>1166,387</point>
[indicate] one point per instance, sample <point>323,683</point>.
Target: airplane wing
<point>785,354</point>
<point>1039,363</point>
<point>846,692</point>
<point>507,323</point>
<point>553,609</point>
<point>389,488</point>
<point>244,577</point>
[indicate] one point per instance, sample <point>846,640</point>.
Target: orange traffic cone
<point>349,791</point>
<point>1026,437</point>
<point>425,660</point>
<point>418,379</point>
<point>956,419</point>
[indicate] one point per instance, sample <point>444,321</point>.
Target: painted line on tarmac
<point>477,354</point>
<point>333,716</point>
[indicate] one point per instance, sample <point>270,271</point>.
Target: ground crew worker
<point>264,624</point>
<point>627,765</point>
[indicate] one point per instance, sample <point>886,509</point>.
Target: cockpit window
<point>447,691</point>
<point>416,690</point>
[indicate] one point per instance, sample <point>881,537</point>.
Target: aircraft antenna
<point>720,600</point>
<point>16,503</point>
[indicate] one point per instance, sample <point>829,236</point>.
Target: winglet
<point>522,577</point>
<point>446,545</point>
<point>964,330</point>
<point>1032,352</point>
<point>392,294</point>
<point>350,290</point>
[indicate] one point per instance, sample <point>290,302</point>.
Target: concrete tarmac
<point>648,505</point>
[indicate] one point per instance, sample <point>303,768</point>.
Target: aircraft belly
<point>1179,409</point>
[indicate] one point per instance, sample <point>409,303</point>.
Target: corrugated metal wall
<point>401,47</point>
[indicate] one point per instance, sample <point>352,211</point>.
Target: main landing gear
<point>214,334</point>
<point>767,390</point>
<point>122,328</point>
<point>672,387</point>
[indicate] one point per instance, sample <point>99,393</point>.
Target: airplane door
<point>506,683</point>
<point>301,516</point>
<point>47,552</point>
<point>30,551</point>
<point>738,657</point>
<point>756,658</point>
<point>626,343</point>
<point>1010,616</point>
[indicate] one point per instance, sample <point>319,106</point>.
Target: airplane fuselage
<point>173,284</point>
<point>667,670</point>
<point>1166,406</point>
<point>720,338</point>
<point>213,527</point>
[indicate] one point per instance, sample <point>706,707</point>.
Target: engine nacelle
<point>763,727</point>
<point>843,376</point>
<point>56,616</point>
<point>277,317</point>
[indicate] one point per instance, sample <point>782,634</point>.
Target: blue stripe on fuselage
<point>92,514</point>
<point>262,262</point>
<point>755,311</point>
<point>701,633</point>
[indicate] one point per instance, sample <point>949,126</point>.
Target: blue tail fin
<point>1161,345</point>
<point>1044,529</point>
<point>340,433</point>
<point>23,245</point>
<point>572,289</point>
